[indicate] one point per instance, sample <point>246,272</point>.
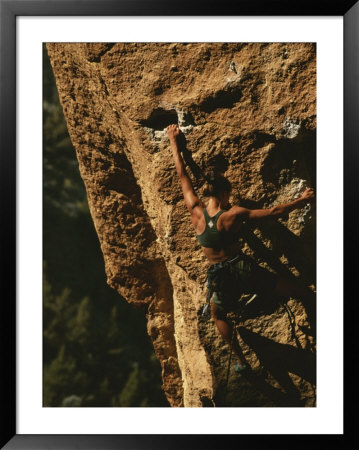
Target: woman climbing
<point>218,225</point>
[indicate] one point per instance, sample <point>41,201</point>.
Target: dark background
<point>96,351</point>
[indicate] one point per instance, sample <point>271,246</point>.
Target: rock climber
<point>218,225</point>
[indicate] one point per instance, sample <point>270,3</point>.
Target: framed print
<point>120,122</point>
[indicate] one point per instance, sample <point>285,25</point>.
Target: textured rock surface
<point>248,110</point>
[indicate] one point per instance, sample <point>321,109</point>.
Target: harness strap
<point>209,290</point>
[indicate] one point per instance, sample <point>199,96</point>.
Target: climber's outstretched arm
<point>189,194</point>
<point>274,212</point>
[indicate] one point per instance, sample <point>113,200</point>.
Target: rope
<point>229,359</point>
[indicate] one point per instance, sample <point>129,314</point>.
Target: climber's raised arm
<point>189,194</point>
<point>275,211</point>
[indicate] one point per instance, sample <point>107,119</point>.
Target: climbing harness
<point>206,310</point>
<point>226,281</point>
<point>218,281</point>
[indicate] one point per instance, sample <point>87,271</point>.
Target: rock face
<point>245,109</point>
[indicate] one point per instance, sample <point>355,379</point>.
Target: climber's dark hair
<point>215,184</point>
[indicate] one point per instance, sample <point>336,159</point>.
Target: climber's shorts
<point>229,279</point>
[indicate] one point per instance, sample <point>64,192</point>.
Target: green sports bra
<point>211,237</point>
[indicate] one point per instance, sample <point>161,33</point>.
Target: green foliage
<point>132,390</point>
<point>62,377</point>
<point>96,351</point>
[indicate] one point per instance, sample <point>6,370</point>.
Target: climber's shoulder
<point>196,208</point>
<point>232,216</point>
<point>196,211</point>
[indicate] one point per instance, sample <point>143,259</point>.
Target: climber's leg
<point>226,331</point>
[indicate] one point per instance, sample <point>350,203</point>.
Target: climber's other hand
<point>308,194</point>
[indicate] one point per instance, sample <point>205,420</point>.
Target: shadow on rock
<point>279,359</point>
<point>301,291</point>
<point>252,390</point>
<point>187,156</point>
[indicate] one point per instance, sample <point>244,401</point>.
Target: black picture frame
<point>9,10</point>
